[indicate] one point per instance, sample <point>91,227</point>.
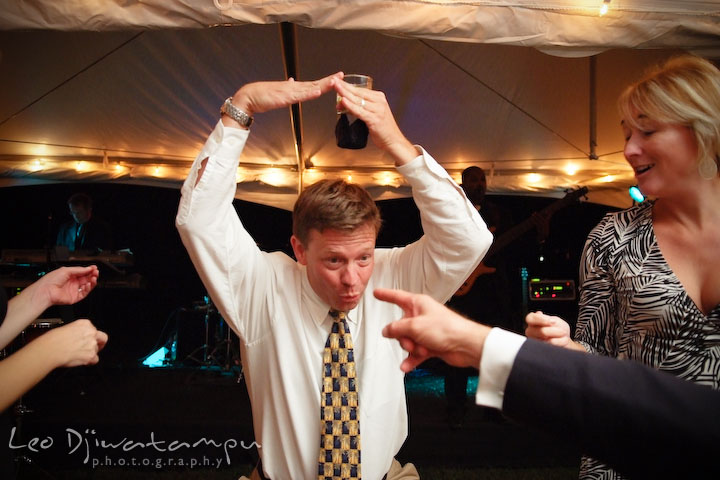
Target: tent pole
<point>290,62</point>
<point>593,108</point>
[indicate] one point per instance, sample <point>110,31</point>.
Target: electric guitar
<point>516,232</point>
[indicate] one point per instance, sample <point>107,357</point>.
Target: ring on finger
<point>362,102</point>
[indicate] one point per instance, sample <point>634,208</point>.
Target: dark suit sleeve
<point>642,422</point>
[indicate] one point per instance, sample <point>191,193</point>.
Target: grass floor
<point>187,404</point>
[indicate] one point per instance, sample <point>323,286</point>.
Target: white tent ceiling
<point>127,91</point>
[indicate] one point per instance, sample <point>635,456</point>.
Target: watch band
<point>236,114</point>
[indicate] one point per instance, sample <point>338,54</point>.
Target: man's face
<point>80,213</point>
<point>339,263</point>
<point>475,186</point>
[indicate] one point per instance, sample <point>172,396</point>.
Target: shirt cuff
<point>416,171</point>
<point>224,145</point>
<point>227,142</point>
<point>499,352</point>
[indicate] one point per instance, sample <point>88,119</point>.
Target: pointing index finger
<point>398,297</point>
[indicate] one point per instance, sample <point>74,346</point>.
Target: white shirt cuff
<point>499,352</point>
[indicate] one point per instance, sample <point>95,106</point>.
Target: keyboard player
<point>84,231</point>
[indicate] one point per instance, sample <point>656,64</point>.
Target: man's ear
<point>299,250</point>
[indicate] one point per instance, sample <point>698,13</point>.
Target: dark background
<point>142,220</point>
<point>118,398</point>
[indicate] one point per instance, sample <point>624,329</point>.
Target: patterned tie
<point>340,422</point>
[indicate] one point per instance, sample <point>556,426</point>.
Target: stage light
<point>604,7</point>
<point>386,178</point>
<point>274,177</point>
<point>571,169</point>
<point>636,194</point>
<point>157,358</point>
<point>37,165</point>
<point>534,178</point>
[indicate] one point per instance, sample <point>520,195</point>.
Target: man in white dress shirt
<point>280,307</point>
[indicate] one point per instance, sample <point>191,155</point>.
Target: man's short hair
<point>334,204</point>
<point>80,199</point>
<point>472,170</point>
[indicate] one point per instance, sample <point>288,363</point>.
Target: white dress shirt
<point>283,324</point>
<point>497,359</point>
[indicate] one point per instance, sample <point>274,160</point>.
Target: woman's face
<point>662,155</point>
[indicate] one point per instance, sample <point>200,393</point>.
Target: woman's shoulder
<point>622,226</point>
<point>629,218</point>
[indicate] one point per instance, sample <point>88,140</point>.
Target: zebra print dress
<point>632,306</point>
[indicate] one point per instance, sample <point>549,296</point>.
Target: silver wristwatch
<point>236,114</point>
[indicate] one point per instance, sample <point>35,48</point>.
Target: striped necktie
<point>340,421</point>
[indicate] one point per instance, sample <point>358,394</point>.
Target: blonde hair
<point>685,90</point>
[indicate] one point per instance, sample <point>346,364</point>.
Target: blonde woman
<point>650,275</point>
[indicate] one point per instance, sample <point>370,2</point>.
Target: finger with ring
<point>362,102</point>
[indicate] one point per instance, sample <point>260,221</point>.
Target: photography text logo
<point>175,452</point>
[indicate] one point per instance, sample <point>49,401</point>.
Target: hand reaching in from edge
<point>547,328</point>
<point>74,344</point>
<point>429,329</point>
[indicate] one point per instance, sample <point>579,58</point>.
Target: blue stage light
<point>157,358</point>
